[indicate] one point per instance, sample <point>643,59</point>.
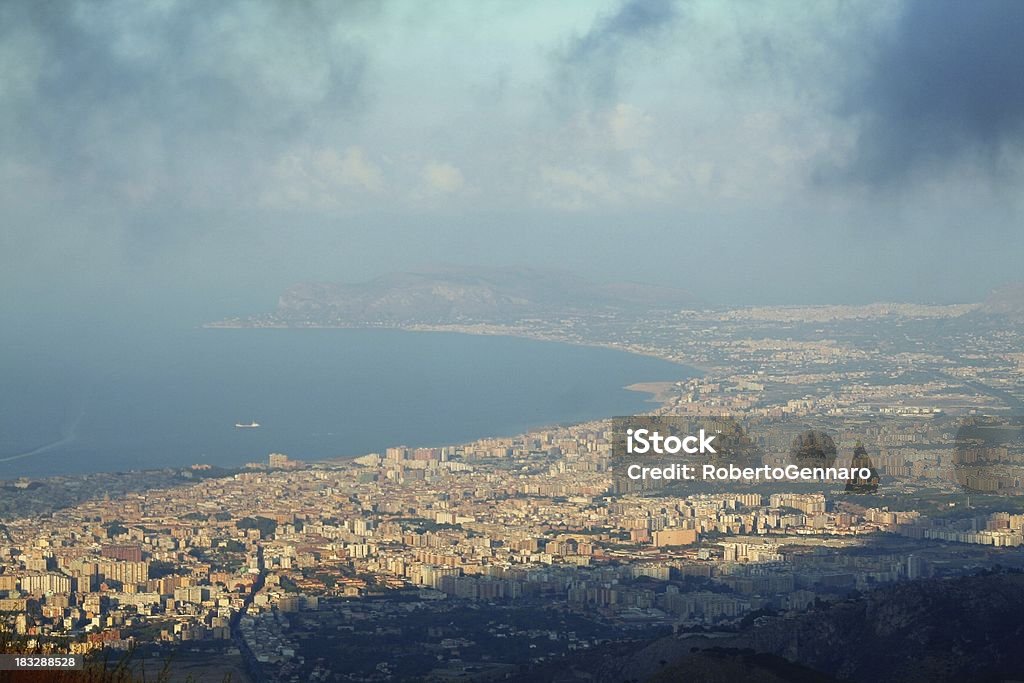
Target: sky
<point>194,158</point>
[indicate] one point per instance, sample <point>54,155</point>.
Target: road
<point>252,667</point>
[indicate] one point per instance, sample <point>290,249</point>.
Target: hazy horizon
<point>193,160</point>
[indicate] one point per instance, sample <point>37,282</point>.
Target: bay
<point>144,401</point>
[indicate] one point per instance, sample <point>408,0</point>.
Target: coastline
<point>544,420</point>
<point>476,329</point>
<point>660,392</point>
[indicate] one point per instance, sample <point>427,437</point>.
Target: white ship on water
<point>252,425</point>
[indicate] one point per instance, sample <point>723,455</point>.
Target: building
<point>667,537</point>
<point>125,552</point>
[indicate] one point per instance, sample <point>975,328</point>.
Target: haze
<point>192,159</point>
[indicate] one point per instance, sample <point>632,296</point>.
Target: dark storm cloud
<point>588,66</point>
<point>170,92</point>
<point>946,86</point>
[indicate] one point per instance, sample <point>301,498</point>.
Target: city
<point>280,568</point>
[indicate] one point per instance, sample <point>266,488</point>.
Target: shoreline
<point>658,391</point>
<point>476,330</point>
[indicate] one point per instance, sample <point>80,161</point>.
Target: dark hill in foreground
<point>967,629</point>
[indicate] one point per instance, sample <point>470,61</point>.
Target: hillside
<point>964,629</point>
<point>458,295</point>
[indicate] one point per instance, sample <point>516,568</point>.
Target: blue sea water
<point>151,400</point>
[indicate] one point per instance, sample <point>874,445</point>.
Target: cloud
<point>352,169</point>
<point>178,91</point>
<point>442,178</point>
<point>588,66</point>
<point>576,188</point>
<point>590,186</point>
<point>629,126</point>
<point>943,88</point>
<point>322,178</point>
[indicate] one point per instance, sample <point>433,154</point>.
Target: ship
<point>251,425</point>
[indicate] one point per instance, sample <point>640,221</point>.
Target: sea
<point>171,398</point>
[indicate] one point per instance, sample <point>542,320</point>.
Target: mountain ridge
<point>458,295</point>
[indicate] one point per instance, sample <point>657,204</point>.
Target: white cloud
<point>323,178</point>
<point>628,126</point>
<point>442,178</point>
<point>587,186</point>
<point>351,169</point>
<point>577,189</point>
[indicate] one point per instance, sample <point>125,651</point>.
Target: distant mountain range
<point>464,295</point>
<point>459,295</point>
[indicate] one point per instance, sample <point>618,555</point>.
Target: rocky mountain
<point>460,295</point>
<point>1006,301</point>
